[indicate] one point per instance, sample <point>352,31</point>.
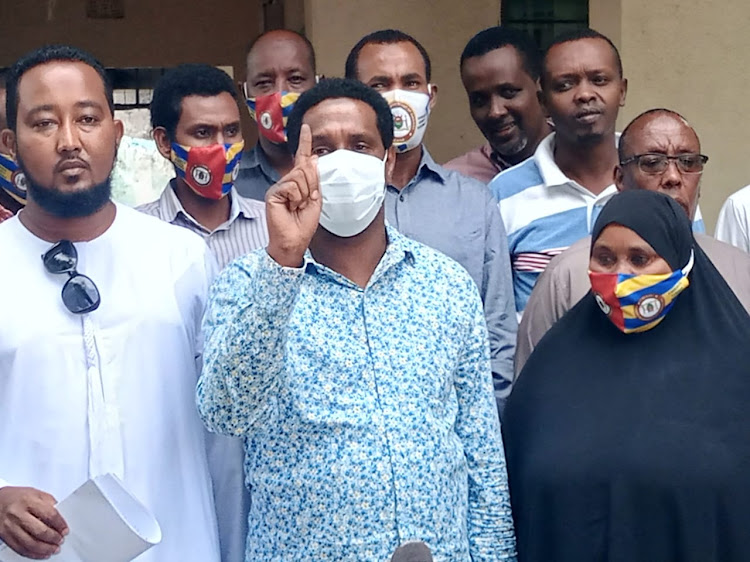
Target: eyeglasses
<point>655,163</point>
<point>79,294</point>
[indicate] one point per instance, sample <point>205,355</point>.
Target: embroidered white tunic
<point>120,399</point>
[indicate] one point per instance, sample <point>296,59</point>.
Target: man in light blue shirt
<point>438,207</point>
<point>355,363</point>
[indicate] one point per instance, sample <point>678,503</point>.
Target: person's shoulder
<point>157,232</point>
<point>575,251</point>
<point>431,262</point>
<point>463,159</point>
<point>741,198</point>
<point>569,268</point>
<point>151,208</point>
<point>717,250</point>
<point>516,179</point>
<point>467,184</point>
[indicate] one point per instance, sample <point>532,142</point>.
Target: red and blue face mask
<point>271,112</point>
<point>12,180</point>
<point>210,170</point>
<point>636,303</point>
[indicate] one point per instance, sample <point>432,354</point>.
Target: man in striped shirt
<point>195,113</point>
<point>196,120</point>
<point>551,200</point>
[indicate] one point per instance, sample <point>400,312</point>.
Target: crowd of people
<point>303,350</point>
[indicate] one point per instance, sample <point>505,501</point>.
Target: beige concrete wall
<point>442,26</point>
<point>152,33</point>
<point>690,57</point>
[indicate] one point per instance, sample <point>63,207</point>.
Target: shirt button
<point>400,197</point>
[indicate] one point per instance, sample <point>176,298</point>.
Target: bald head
<point>645,121</point>
<point>280,60</point>
<point>660,132</point>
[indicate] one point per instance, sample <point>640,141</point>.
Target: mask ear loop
<point>689,266</point>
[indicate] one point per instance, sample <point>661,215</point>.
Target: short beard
<point>65,205</point>
<point>515,149</point>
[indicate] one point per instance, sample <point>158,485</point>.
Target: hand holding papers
<point>107,524</point>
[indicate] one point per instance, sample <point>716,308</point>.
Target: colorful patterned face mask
<point>636,303</point>
<point>12,179</point>
<point>210,171</point>
<point>271,112</point>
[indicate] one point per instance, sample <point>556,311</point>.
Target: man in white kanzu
<point>98,351</point>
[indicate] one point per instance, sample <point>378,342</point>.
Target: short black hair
<point>183,81</point>
<point>621,145</point>
<point>577,35</point>
<point>384,37</point>
<point>305,40</point>
<point>44,55</point>
<point>500,36</point>
<point>334,88</point>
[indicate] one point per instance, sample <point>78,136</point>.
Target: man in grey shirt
<point>280,66</point>
<point>658,151</point>
<point>441,208</point>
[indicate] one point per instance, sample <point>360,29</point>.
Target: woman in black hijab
<point>635,447</point>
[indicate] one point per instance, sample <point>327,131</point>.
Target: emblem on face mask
<point>19,180</point>
<point>266,121</point>
<point>201,175</point>
<point>649,307</point>
<point>404,121</point>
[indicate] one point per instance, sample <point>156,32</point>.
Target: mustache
<point>501,122</point>
<point>68,163</point>
<point>590,110</point>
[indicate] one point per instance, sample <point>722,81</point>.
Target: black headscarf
<point>656,218</point>
<point>636,447</point>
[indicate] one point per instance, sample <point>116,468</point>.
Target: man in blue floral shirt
<point>355,363</point>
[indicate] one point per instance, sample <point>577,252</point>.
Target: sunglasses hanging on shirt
<point>79,294</point>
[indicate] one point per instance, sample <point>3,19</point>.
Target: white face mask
<point>410,113</point>
<point>352,186</point>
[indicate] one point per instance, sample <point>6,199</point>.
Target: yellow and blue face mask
<point>210,170</point>
<point>12,180</point>
<point>271,113</point>
<point>636,303</point>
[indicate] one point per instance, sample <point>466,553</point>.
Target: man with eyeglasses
<point>99,349</point>
<point>658,151</point>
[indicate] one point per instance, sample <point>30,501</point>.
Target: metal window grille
<point>105,9</point>
<point>544,19</point>
<point>134,87</point>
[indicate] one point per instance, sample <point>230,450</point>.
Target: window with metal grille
<point>544,19</point>
<point>134,87</point>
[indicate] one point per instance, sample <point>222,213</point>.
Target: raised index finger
<point>304,149</point>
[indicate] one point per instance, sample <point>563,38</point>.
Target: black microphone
<point>412,551</point>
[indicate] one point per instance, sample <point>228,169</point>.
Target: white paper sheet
<point>107,524</point>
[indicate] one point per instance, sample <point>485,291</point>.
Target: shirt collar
<point>496,160</point>
<point>398,250</point>
<point>548,168</point>
<point>428,165</point>
<point>170,207</point>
